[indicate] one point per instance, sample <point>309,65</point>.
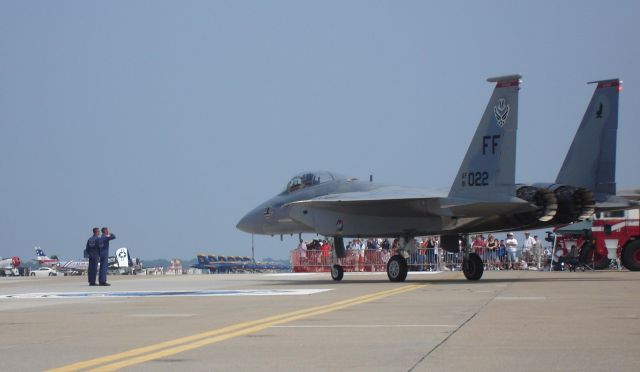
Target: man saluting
<point>103,248</point>
<point>94,255</point>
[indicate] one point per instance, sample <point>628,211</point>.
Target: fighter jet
<point>336,206</point>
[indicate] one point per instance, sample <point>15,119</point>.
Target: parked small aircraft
<point>67,267</point>
<point>9,266</point>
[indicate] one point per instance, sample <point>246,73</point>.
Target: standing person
<point>491,247</point>
<point>94,255</point>
<point>103,248</point>
<point>477,246</point>
<point>302,252</point>
<point>431,252</point>
<point>527,246</point>
<point>512,249</point>
<point>326,253</point>
<point>502,253</point>
<point>537,250</point>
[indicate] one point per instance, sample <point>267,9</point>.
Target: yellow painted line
<point>151,352</point>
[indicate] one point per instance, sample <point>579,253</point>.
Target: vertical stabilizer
<point>488,169</point>
<point>40,253</point>
<point>591,160</point>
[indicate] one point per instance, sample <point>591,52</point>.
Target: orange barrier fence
<point>372,260</point>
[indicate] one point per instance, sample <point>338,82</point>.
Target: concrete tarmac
<point>509,320</point>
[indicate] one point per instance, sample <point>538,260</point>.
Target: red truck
<point>613,235</point>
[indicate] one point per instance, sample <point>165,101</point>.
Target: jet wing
<point>407,202</point>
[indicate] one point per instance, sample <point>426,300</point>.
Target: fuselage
<point>386,210</point>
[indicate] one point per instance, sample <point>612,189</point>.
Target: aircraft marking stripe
<point>196,293</point>
<point>617,226</point>
<point>369,326</point>
<point>171,347</point>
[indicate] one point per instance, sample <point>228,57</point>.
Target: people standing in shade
<point>512,249</point>
<point>326,252</point>
<point>94,255</point>
<point>431,252</point>
<point>491,251</point>
<point>502,253</point>
<point>537,251</point>
<point>302,252</point>
<point>103,249</point>
<point>527,246</point>
<point>477,246</point>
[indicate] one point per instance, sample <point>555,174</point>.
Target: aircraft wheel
<point>472,267</point>
<point>397,269</point>
<point>337,272</point>
<point>631,256</point>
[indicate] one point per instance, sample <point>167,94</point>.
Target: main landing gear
<point>397,268</point>
<point>337,272</point>
<point>472,267</point>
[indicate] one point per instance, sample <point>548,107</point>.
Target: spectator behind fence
<point>302,249</point>
<point>512,250</point>
<point>502,253</point>
<point>537,251</point>
<point>431,247</point>
<point>491,247</point>
<point>478,246</point>
<point>326,251</point>
<point>527,246</point>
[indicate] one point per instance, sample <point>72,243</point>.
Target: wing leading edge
<point>397,202</point>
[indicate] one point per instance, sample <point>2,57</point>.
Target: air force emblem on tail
<point>501,111</point>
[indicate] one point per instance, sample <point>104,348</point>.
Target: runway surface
<point>432,322</point>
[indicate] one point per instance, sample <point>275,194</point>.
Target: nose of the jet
<point>250,223</point>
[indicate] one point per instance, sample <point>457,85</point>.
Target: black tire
<point>631,256</point>
<point>397,268</point>
<point>337,272</point>
<point>472,267</point>
<point>33,274</point>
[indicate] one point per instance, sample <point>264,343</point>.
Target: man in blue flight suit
<point>103,248</point>
<point>94,255</point>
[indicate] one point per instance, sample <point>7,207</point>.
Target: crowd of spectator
<point>508,253</point>
<point>426,253</point>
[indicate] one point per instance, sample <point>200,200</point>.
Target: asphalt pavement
<point>509,320</point>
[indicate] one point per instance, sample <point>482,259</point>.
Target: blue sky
<point>168,120</point>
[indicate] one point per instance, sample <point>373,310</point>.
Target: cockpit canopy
<point>307,179</point>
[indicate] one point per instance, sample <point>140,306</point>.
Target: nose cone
<point>251,223</point>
